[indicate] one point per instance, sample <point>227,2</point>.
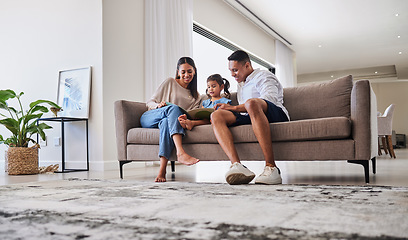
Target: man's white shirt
<point>261,84</point>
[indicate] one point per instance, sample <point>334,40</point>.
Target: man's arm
<point>239,108</point>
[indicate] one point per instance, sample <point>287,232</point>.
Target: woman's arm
<point>158,96</point>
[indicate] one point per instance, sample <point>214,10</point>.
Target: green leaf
<point>36,109</point>
<point>14,110</point>
<point>7,94</point>
<point>27,118</point>
<point>12,125</point>
<point>3,104</point>
<point>43,101</point>
<point>38,129</point>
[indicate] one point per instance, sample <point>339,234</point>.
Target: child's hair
<point>221,81</point>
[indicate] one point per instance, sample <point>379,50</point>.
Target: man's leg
<point>238,173</point>
<point>220,120</point>
<point>256,109</point>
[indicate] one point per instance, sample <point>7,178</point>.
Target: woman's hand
<point>161,104</point>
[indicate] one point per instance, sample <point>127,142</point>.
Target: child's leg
<point>190,124</point>
<point>161,177</point>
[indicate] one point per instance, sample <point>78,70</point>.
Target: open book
<point>196,114</point>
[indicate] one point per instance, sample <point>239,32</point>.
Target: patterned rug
<point>121,209</point>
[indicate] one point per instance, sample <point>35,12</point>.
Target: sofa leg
<point>121,163</point>
<point>374,160</point>
<point>365,164</point>
<point>173,166</point>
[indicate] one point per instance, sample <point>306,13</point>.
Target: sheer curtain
<point>285,65</point>
<point>168,36</point>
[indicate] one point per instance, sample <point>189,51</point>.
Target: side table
<point>63,120</point>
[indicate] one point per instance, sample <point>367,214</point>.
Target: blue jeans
<point>164,118</point>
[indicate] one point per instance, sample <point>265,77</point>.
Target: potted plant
<point>21,155</point>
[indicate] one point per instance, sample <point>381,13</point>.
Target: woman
<point>179,91</point>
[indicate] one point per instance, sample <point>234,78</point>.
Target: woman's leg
<point>171,132</point>
<point>166,144</point>
<point>156,119</point>
<point>161,177</point>
<point>177,132</point>
<point>182,156</point>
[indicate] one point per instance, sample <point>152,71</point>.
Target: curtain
<point>168,36</point>
<point>285,65</point>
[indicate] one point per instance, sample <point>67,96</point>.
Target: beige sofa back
<point>317,100</point>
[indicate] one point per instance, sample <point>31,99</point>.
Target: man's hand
<point>224,106</point>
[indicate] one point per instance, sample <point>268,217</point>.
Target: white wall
<point>41,37</point>
<point>222,19</point>
<point>123,64</point>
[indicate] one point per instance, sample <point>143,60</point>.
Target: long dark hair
<point>221,81</point>
<point>192,86</point>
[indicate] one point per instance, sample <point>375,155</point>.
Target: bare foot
<point>182,120</point>
<point>186,159</point>
<point>160,179</point>
<point>187,124</point>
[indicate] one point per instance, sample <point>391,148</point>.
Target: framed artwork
<point>74,90</point>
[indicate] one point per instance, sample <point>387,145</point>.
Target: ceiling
<point>366,38</point>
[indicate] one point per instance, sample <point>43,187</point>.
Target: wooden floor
<point>390,172</point>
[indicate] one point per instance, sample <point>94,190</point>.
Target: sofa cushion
<point>301,130</point>
<point>319,100</point>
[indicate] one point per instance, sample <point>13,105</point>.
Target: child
<point>215,84</point>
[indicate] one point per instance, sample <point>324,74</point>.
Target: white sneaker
<point>239,174</point>
<point>270,175</point>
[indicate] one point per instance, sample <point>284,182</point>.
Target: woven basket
<point>22,160</point>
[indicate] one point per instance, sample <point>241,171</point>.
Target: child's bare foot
<point>182,119</point>
<point>186,159</point>
<point>189,124</point>
<point>160,178</point>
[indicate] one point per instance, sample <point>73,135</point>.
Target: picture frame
<point>74,90</point>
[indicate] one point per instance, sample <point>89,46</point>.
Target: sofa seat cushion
<point>310,129</point>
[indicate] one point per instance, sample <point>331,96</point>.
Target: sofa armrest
<point>127,116</point>
<point>364,120</point>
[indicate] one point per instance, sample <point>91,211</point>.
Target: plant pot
<point>22,160</point>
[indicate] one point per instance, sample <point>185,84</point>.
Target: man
<point>260,98</point>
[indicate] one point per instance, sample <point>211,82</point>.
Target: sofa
<point>330,121</point>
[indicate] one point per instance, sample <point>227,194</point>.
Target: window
<point>210,54</point>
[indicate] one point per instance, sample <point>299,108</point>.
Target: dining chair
<point>385,131</point>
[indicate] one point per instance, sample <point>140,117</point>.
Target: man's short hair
<point>239,56</point>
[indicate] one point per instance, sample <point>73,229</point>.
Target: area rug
<point>126,209</point>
